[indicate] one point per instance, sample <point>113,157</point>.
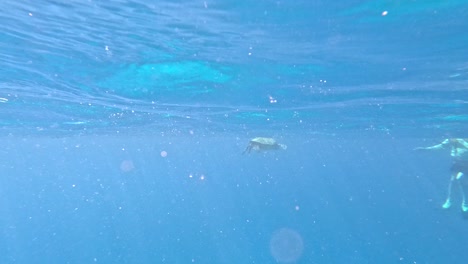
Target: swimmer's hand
<point>419,149</point>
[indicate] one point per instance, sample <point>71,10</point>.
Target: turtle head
<point>282,146</point>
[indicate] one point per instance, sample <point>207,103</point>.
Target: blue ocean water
<point>123,123</point>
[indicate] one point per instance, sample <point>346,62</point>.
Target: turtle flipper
<point>247,149</point>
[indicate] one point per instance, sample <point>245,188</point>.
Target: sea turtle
<point>262,143</point>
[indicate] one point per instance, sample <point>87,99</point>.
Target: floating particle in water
<point>286,245</point>
<point>126,166</point>
<point>163,154</point>
<point>384,13</point>
<point>272,100</point>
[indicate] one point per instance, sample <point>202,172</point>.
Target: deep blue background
<point>360,201</point>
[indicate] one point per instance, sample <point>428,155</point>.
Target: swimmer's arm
<point>464,142</point>
<point>438,146</point>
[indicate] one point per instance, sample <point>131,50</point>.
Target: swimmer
<point>459,152</point>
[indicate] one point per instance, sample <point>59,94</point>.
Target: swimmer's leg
<point>448,202</point>
<point>464,205</point>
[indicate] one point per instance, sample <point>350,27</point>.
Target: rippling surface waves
<point>72,67</point>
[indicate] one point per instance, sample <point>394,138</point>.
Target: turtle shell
<point>264,141</point>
